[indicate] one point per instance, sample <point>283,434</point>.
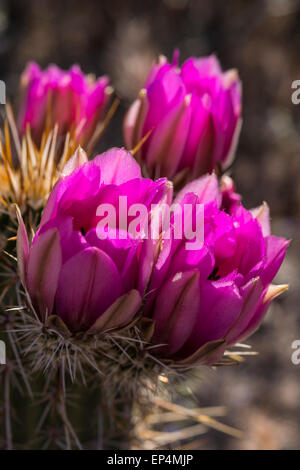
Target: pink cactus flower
<point>193,115</point>
<point>76,102</point>
<point>205,300</point>
<point>200,300</point>
<point>89,282</point>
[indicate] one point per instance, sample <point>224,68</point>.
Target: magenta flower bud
<point>91,281</point>
<point>74,101</point>
<point>230,198</point>
<point>193,116</point>
<point>207,299</point>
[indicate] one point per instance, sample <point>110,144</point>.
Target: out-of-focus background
<point>261,39</point>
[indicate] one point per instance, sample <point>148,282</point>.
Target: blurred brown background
<point>261,39</point>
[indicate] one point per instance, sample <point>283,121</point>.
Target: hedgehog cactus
<point>104,303</point>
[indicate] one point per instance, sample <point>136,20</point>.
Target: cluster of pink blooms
<point>215,295</point>
<point>193,114</point>
<point>70,99</point>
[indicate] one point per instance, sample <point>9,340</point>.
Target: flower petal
<point>177,306</point>
<point>206,188</point>
<point>252,294</point>
<point>275,252</point>
<point>43,270</point>
<point>89,283</point>
<point>117,166</point>
<point>221,304</point>
<point>22,247</point>
<point>262,214</point>
<point>119,314</point>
